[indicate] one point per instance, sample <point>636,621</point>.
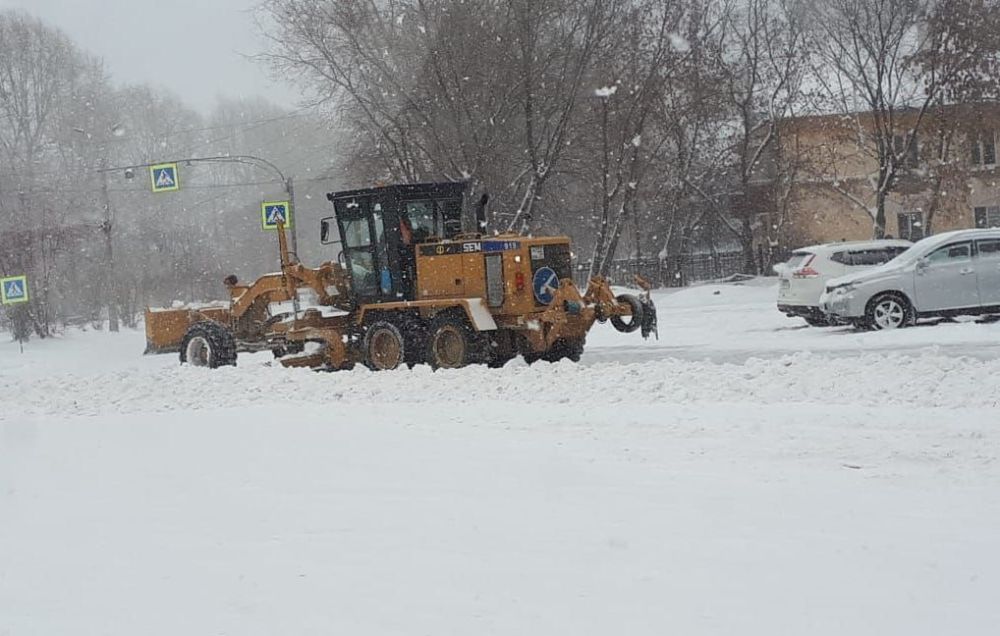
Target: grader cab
<point>410,286</point>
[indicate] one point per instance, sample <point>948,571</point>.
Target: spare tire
<point>635,319</point>
<point>208,344</point>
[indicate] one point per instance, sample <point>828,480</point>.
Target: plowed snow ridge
<point>931,380</point>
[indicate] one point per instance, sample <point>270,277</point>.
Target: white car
<point>954,273</point>
<point>804,276</point>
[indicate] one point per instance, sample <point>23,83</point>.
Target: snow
<point>480,314</point>
<point>744,474</point>
<point>679,43</point>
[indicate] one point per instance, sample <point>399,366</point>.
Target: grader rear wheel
<point>385,348</point>
<point>452,343</point>
<point>208,344</point>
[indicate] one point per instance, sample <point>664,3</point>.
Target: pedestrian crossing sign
<point>274,212</point>
<point>164,177</point>
<point>14,290</point>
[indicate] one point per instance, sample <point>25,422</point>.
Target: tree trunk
<point>746,245</point>
<point>878,231</point>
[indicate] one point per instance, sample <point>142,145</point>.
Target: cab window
<point>357,233</point>
<point>441,219</point>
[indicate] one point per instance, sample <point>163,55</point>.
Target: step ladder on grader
<point>408,287</point>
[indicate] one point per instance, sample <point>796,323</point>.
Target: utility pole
<point>107,225</point>
<point>108,285</point>
<point>290,188</point>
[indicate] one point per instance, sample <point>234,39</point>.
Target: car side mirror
<point>922,263</point>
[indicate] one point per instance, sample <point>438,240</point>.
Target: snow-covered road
<point>742,475</point>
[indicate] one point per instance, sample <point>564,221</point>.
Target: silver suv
<point>954,273</point>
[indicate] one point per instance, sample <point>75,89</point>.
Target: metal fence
<point>674,272</point>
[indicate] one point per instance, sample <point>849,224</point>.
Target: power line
<point>250,125</point>
<point>238,128</point>
<point>211,186</point>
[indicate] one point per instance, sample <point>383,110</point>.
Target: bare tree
<point>41,76</point>
<point>887,63</point>
<point>555,45</point>
<point>761,60</point>
<point>422,85</point>
<point>650,50</point>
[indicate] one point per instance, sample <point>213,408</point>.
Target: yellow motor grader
<point>409,287</point>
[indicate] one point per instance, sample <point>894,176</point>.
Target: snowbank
<point>872,380</point>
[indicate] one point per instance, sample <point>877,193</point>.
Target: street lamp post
<point>107,227</point>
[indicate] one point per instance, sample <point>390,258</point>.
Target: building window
<point>910,155</point>
<point>911,225</point>
<point>987,216</point>
<point>984,149</point>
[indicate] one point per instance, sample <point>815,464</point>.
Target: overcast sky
<point>190,47</point>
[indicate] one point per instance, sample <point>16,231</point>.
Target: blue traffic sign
<point>545,284</point>
<point>14,290</point>
<point>164,177</point>
<point>274,212</point>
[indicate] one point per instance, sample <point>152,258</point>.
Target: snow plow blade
<point>165,328</point>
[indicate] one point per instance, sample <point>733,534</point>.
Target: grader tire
<point>635,319</point>
<point>414,332</point>
<point>532,357</point>
<point>569,349</point>
<point>452,343</point>
<point>208,344</point>
<point>498,362</point>
<point>384,346</point>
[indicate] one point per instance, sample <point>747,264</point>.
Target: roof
<point>944,237</point>
<point>409,191</point>
<point>973,112</point>
<point>858,245</point>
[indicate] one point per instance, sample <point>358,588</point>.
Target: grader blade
<point>165,328</point>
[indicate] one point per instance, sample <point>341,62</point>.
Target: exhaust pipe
<point>481,213</point>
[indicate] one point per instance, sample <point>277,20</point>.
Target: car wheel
<point>889,311</point>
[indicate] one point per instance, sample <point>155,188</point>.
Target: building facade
<point>821,181</point>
